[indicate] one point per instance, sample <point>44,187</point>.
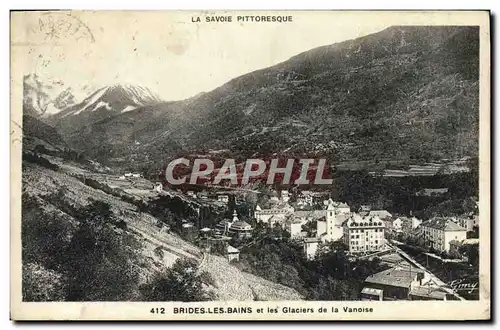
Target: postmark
<point>58,28</point>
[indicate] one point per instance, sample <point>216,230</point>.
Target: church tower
<point>330,220</point>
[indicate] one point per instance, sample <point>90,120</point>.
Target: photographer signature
<point>462,285</point>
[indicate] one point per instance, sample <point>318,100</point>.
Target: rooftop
<point>311,240</point>
<point>380,213</point>
<point>231,249</point>
<point>428,292</point>
<point>241,225</point>
<point>356,220</point>
<point>471,241</point>
<point>393,277</point>
<point>444,224</point>
<point>372,291</point>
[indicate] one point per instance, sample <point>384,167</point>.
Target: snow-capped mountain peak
<point>47,96</point>
<point>116,98</point>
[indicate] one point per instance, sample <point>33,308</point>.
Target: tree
<point>98,267</point>
<point>181,282</point>
<point>330,288</point>
<point>41,284</point>
<point>45,235</point>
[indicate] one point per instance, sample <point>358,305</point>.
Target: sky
<point>165,51</point>
<point>176,57</point>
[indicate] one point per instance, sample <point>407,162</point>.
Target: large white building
<point>468,222</point>
<point>364,234</point>
<point>273,215</point>
<point>439,232</point>
<point>293,225</point>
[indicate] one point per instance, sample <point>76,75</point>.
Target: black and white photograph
<point>253,163</point>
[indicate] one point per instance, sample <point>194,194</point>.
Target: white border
<point>146,4</point>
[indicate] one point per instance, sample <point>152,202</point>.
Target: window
<point>357,236</point>
<point>376,241</point>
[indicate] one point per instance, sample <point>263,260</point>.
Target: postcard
<point>250,165</point>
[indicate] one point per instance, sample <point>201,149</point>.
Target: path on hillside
<point>159,240</point>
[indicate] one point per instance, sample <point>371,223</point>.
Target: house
<point>223,198</point>
<point>285,196</point>
<point>382,214</point>
<point>158,187</point>
<point>396,282</point>
<point>190,193</point>
<point>281,210</point>
<point>240,228</point>
<point>321,228</point>
<point>466,222</point>
<point>372,294</point>
<point>136,175</point>
<point>234,227</point>
<point>394,224</point>
<point>364,209</point>
<point>294,226</point>
<point>329,220</point>
<point>430,192</point>
<point>205,232</point>
<point>455,245</point>
<point>364,234</point>
<point>341,208</point>
<point>305,198</point>
<point>439,232</point>
<point>408,225</point>
<point>128,175</point>
<point>232,253</point>
<point>311,246</point>
<point>222,228</point>
<point>427,293</point>
<point>202,195</point>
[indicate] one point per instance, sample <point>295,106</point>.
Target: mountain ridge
<point>103,103</point>
<point>358,99</point>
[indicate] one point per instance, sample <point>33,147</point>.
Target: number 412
<point>156,310</point>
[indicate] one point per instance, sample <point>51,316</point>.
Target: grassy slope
<point>44,183</point>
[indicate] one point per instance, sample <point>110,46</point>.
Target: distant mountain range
<point>48,97</point>
<point>102,104</point>
<point>405,93</point>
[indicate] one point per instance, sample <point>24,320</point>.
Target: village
<point>434,259</point>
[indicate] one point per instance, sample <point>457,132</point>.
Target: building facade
<point>364,234</point>
<point>439,232</point>
<point>408,225</point>
<point>281,210</point>
<point>311,246</point>
<point>466,222</point>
